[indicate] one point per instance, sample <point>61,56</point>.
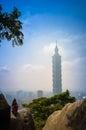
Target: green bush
<point>41,108</point>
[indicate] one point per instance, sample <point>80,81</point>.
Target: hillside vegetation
<point>41,108</point>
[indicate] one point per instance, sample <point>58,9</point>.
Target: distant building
<point>56,67</point>
<point>39,93</point>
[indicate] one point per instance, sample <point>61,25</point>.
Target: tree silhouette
<point>10,27</point>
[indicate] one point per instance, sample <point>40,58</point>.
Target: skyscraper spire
<point>56,48</point>
<point>56,42</point>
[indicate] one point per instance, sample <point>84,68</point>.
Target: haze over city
<point>29,67</point>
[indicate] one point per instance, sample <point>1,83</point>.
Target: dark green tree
<point>41,108</point>
<point>10,27</point>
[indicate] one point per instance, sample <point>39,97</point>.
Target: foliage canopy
<point>10,27</point>
<point>41,108</point>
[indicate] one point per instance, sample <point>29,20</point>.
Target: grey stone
<point>71,117</point>
<point>4,113</point>
<point>8,121</point>
<point>23,121</point>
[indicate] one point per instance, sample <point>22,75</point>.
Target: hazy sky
<point>44,21</point>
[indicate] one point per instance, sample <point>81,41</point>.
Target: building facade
<point>56,67</point>
<point>39,93</point>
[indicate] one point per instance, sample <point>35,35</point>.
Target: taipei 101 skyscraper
<point>56,67</point>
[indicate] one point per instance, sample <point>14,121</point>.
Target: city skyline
<point>29,67</point>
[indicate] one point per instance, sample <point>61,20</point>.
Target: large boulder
<point>4,113</point>
<point>23,121</point>
<point>8,121</point>
<point>71,117</point>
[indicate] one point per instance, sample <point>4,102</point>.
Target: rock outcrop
<point>71,117</point>
<point>8,121</point>
<point>23,121</point>
<point>4,113</point>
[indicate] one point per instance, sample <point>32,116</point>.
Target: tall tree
<point>10,27</point>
